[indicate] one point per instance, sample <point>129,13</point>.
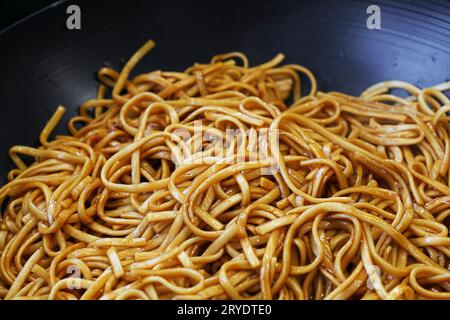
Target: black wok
<point>43,64</point>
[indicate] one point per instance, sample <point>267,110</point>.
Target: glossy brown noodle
<point>358,208</point>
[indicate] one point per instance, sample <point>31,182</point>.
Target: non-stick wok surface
<point>43,64</point>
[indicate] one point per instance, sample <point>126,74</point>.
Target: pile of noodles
<point>355,204</point>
